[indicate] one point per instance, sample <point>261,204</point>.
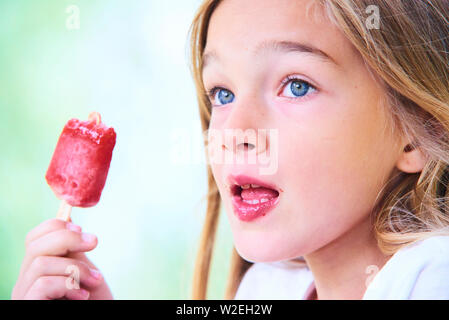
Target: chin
<point>267,249</point>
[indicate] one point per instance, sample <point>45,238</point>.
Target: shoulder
<point>418,271</point>
<point>433,279</point>
<point>274,280</point>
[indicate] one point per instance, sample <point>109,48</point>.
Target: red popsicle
<point>80,164</point>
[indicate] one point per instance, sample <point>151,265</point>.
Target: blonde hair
<point>409,54</point>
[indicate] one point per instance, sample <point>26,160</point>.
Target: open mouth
<point>251,200</point>
<point>253,193</point>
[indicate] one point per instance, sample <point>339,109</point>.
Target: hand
<point>56,267</point>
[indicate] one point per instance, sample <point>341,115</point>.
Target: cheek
<point>216,153</point>
<point>335,165</point>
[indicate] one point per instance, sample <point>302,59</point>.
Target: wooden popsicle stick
<point>64,211</point>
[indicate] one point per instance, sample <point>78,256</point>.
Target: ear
<point>411,160</point>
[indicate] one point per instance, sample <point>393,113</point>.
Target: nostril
<point>250,146</point>
<point>246,146</point>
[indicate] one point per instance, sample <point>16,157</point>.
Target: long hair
<point>409,53</point>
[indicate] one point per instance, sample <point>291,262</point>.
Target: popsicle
<point>79,167</point>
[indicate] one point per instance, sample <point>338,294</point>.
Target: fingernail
<point>73,227</point>
<point>95,273</point>
<point>84,293</point>
<point>87,237</point>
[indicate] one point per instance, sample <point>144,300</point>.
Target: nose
<point>244,130</point>
<point>250,140</point>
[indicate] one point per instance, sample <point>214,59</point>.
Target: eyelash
<point>297,78</point>
<point>211,92</point>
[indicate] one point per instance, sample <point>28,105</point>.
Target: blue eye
<point>221,96</point>
<point>297,88</point>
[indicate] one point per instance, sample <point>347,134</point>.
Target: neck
<point>340,267</point>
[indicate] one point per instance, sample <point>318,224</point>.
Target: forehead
<point>242,26</point>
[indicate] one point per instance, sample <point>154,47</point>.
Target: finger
<point>57,266</point>
<point>81,256</point>
<point>59,243</point>
<point>55,287</point>
<point>47,227</point>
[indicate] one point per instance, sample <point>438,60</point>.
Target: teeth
<point>255,201</point>
<point>247,186</point>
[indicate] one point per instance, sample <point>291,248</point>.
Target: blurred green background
<point>127,60</point>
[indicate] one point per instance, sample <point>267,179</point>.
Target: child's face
<point>334,151</point>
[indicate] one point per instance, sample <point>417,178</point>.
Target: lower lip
<point>248,212</point>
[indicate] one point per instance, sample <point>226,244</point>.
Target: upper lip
<point>240,180</point>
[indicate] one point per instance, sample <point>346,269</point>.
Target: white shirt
<point>417,271</point>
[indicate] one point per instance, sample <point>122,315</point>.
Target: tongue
<point>258,194</point>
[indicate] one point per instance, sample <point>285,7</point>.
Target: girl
<point>356,93</point>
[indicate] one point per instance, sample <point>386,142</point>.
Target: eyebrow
<point>277,46</point>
